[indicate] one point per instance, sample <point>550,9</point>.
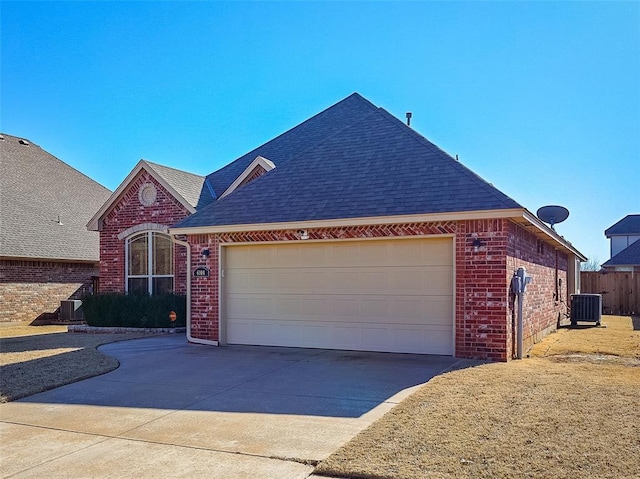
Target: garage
<point>393,295</point>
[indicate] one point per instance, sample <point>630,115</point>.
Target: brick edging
<point>80,328</point>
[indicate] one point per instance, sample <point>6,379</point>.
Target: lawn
<point>37,358</point>
<point>569,410</point>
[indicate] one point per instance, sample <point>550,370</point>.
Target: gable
<point>129,183</point>
<point>256,169</point>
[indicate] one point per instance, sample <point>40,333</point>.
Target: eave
<point>518,215</point>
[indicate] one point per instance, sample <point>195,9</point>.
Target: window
<point>149,263</point>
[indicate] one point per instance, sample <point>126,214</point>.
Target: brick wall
<point>128,212</point>
<point>484,318</point>
<point>482,331</point>
<point>545,300</point>
<point>30,289</point>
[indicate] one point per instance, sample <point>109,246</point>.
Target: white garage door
<point>377,295</point>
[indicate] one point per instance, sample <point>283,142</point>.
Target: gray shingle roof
<point>352,160</point>
<point>627,257</point>
<point>190,186</point>
<point>36,188</point>
<point>296,140</point>
<point>629,225</point>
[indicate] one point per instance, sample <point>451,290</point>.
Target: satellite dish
<point>553,214</point>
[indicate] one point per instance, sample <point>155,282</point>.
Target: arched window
<point>149,263</point>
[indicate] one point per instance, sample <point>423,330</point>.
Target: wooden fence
<point>620,291</point>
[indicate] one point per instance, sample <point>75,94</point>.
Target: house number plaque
<point>201,272</point>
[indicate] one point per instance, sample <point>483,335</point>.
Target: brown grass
<point>38,358</point>
<point>542,417</point>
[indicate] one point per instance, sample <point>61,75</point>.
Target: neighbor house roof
<point>629,225</point>
<point>630,256</point>
<point>45,205</point>
<point>353,160</point>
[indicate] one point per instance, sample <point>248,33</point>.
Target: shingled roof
<point>353,160</point>
<point>629,225</point>
<point>630,256</point>
<point>45,205</point>
<point>190,186</point>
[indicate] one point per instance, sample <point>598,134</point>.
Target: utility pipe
<point>190,338</point>
<point>520,296</point>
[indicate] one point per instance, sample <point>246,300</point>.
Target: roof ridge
<point>461,167</point>
<point>152,163</point>
<point>627,218</point>
<point>67,165</point>
<point>353,95</point>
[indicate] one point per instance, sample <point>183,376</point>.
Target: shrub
<point>134,311</point>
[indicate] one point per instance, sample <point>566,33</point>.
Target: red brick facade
<point>32,289</point>
<point>487,253</point>
<point>129,212</point>
<point>484,318</point>
<point>546,298</point>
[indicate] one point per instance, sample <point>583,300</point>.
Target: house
<point>625,247</point>
<point>349,231</point>
<point>46,253</point>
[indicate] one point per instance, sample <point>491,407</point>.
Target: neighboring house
<point>625,247</point>
<point>349,231</point>
<point>46,253</point>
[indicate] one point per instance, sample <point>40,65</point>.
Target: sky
<point>542,99</point>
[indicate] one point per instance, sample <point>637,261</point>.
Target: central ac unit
<point>586,307</point>
<point>70,310</point>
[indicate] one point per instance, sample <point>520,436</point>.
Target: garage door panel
<point>410,280</point>
<point>389,295</point>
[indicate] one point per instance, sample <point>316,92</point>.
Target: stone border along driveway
<point>175,409</point>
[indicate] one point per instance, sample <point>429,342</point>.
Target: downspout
<point>190,338</point>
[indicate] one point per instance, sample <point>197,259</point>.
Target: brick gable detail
<point>257,172</point>
<point>128,212</point>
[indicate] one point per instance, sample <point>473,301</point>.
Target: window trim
<point>150,258</point>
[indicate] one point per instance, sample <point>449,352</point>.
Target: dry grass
<point>543,417</point>
<point>38,358</point>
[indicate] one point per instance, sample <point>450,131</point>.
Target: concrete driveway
<point>174,409</point>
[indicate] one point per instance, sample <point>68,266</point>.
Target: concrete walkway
<point>174,409</point>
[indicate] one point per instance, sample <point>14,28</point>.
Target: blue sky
<point>542,99</point>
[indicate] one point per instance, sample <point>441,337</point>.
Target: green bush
<point>134,311</point>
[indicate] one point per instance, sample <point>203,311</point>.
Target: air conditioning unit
<point>70,310</point>
<point>586,307</point>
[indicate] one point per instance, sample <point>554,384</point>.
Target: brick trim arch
<point>143,227</point>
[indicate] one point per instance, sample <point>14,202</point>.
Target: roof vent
<point>24,142</point>
<point>1,137</point>
<point>409,115</point>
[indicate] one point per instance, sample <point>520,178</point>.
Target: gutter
<point>190,338</point>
